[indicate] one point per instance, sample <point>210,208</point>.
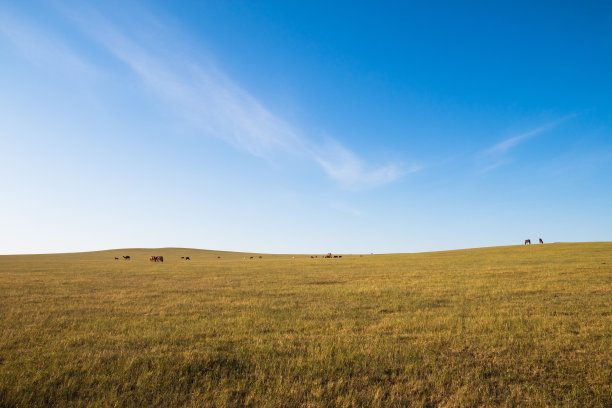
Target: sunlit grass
<point>528,326</point>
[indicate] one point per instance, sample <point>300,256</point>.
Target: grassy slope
<point>495,326</point>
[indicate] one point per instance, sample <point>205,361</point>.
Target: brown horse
<point>527,241</point>
<point>541,242</point>
<point>156,259</point>
<point>329,255</point>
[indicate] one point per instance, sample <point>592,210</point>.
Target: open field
<point>509,326</point>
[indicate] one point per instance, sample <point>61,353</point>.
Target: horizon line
<point>297,253</point>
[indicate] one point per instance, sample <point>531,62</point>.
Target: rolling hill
<point>500,326</point>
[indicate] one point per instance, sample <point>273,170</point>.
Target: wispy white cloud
<point>347,209</point>
<point>351,171</point>
<point>509,143</point>
<point>498,154</point>
<point>217,106</point>
<point>42,47</point>
<point>494,166</point>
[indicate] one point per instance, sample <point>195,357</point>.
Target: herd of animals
<point>160,258</point>
<point>528,241</point>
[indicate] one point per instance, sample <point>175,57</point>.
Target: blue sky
<point>300,128</point>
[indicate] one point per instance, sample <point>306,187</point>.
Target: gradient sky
<point>304,127</point>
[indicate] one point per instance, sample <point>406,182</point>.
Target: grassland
<point>505,326</point>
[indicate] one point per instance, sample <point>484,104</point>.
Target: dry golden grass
<point>506,326</point>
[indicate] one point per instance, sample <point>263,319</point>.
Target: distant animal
<point>311,256</point>
<point>187,258</point>
<point>182,257</point>
<point>156,259</point>
<point>339,256</point>
<point>116,259</point>
<point>335,256</point>
<point>527,242</point>
<point>541,242</point>
<point>218,257</point>
<point>329,255</point>
<point>126,257</point>
<point>259,256</point>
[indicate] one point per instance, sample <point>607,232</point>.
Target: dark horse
<point>156,259</point>
<point>126,257</point>
<point>541,242</point>
<point>527,241</point>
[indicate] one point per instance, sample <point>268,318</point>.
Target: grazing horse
<point>116,259</point>
<point>329,255</point>
<point>187,258</point>
<point>126,257</point>
<point>527,241</point>
<point>156,259</point>
<point>541,242</point>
